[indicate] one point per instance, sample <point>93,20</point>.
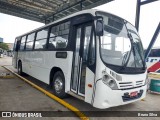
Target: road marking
<point>5,75</point>
<point>62,102</point>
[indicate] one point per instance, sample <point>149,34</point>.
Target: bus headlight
<point>109,82</point>
<point>105,78</point>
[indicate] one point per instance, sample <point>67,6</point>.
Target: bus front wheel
<point>58,85</point>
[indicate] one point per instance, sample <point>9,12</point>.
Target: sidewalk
<point>16,95</point>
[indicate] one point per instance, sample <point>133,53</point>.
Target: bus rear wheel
<point>20,68</point>
<point>58,85</point>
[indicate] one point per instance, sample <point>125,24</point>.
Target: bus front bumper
<point>105,97</point>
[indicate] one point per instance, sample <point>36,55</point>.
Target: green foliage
<point>4,46</point>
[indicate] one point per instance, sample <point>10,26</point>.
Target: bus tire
<point>58,85</point>
<point>20,68</point>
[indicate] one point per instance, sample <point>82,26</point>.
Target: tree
<point>4,46</point>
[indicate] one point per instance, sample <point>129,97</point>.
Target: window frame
<point>68,34</point>
<point>43,49</point>
<point>154,52</point>
<point>30,41</point>
<point>23,42</point>
<point>70,23</point>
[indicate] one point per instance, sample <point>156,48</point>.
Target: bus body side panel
<point>90,75</point>
<point>14,61</point>
<point>89,89</point>
<point>153,64</point>
<point>153,60</point>
<point>39,64</point>
<point>21,57</point>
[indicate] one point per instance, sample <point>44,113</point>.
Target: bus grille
<point>124,85</point>
<point>127,85</point>
<point>139,83</point>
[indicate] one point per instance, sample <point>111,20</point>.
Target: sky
<point>11,26</point>
<point>149,17</point>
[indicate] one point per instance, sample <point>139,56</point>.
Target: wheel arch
<point>19,61</point>
<point>52,72</point>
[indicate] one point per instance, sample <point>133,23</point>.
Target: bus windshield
<point>120,45</point>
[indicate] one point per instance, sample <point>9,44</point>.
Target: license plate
<point>133,94</point>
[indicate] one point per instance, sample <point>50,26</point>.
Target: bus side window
<point>92,52</point>
<point>59,36</point>
<point>41,39</point>
<point>22,45</point>
<point>29,42</point>
<point>87,39</point>
<point>61,41</point>
<point>15,45</point>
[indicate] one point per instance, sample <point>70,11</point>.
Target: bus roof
<point>91,11</point>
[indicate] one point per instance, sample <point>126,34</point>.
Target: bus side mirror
<point>99,28</point>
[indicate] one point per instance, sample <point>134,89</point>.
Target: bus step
<point>75,95</point>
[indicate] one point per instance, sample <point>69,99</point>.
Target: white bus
<point>92,55</point>
<point>153,60</point>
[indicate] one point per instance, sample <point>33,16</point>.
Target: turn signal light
<point>89,85</point>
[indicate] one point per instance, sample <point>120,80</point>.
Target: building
<point>1,40</point>
<point>10,45</point>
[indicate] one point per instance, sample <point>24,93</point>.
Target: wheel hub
<point>58,84</point>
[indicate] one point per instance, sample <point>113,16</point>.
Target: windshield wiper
<point>143,62</point>
<point>124,64</point>
<point>124,60</point>
<point>135,47</point>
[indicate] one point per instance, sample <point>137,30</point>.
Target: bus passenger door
<point>15,52</point>
<point>80,62</point>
